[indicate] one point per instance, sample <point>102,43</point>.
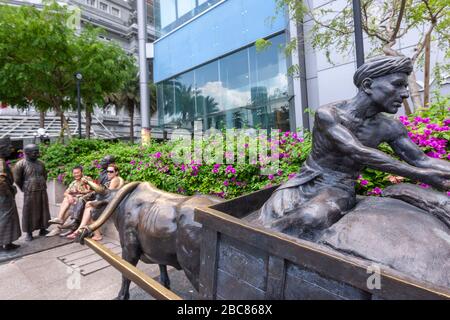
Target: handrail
<point>149,285</point>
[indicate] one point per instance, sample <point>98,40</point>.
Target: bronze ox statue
<point>154,226</point>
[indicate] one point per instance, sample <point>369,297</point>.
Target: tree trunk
<point>426,80</point>
<point>414,91</point>
<point>41,119</point>
<point>64,125</point>
<point>131,113</point>
<point>407,107</point>
<point>61,118</point>
<point>88,123</point>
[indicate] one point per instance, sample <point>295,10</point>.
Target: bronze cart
<point>242,261</point>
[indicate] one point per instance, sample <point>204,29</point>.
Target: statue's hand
<point>440,180</point>
<point>84,232</point>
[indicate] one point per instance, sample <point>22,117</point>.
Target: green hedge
<point>429,128</point>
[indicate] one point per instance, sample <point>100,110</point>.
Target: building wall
<point>247,88</point>
<point>225,27</point>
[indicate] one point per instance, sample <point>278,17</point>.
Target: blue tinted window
<point>185,6</point>
<point>208,90</point>
<point>185,105</point>
<point>244,89</point>
<point>169,14</point>
<point>166,89</point>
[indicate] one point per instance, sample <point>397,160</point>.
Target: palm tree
<point>129,98</point>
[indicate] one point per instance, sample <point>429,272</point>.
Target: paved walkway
<point>55,268</point>
<point>75,272</point>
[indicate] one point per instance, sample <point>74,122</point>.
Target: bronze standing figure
<point>104,163</point>
<point>9,217</point>
<point>31,177</point>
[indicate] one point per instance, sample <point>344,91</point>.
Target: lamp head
<point>78,76</point>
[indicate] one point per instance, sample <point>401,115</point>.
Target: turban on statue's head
<point>30,147</point>
<point>382,66</point>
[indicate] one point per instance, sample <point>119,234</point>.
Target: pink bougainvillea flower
<point>230,169</point>
<point>375,191</point>
<point>364,182</point>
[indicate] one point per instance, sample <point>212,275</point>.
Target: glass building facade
<point>170,14</point>
<point>245,89</point>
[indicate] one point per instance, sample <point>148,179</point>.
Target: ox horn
<point>97,188</point>
<point>112,206</point>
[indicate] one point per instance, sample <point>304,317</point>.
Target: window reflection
<point>170,14</point>
<point>185,105</point>
<point>242,90</point>
<point>208,91</point>
<point>184,6</point>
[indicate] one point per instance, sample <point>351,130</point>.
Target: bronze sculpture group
<point>158,227</point>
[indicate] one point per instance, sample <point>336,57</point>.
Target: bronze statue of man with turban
<point>345,140</point>
<point>9,218</point>
<point>31,177</point>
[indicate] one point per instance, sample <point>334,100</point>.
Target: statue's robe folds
<point>9,217</point>
<point>31,177</point>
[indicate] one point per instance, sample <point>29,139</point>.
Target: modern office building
<point>207,67</point>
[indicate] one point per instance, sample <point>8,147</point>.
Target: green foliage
<point>384,22</point>
<point>157,163</point>
<point>262,44</point>
<point>38,63</point>
<point>60,159</point>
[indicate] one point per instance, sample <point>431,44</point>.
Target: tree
<point>34,62</point>
<point>128,97</point>
<point>385,22</point>
<point>105,68</point>
<point>37,64</point>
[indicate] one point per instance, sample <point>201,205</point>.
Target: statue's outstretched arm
<point>95,187</point>
<point>344,140</point>
<point>411,153</point>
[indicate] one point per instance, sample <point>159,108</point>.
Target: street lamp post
<point>79,77</point>
<point>359,43</point>
<point>141,10</point>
